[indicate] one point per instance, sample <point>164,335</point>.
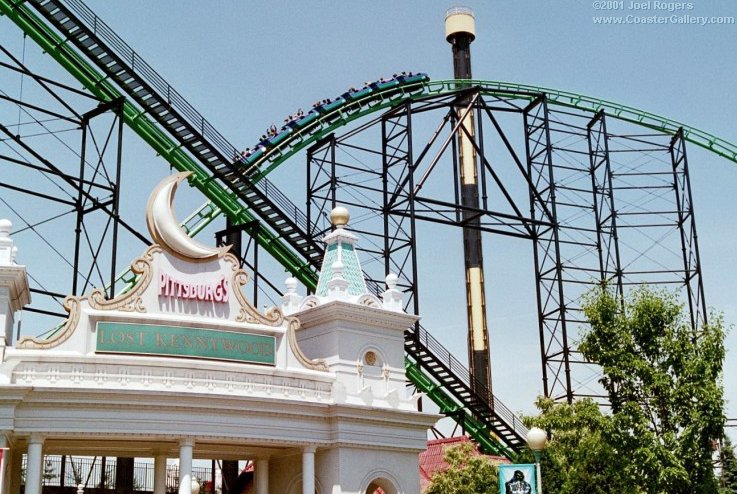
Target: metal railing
<point>88,471</point>
<point>177,102</point>
<point>464,375</point>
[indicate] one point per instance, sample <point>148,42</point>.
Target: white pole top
<point>460,20</point>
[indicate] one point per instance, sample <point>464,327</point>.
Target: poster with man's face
<point>517,479</point>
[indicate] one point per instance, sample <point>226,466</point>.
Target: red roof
<point>431,460</point>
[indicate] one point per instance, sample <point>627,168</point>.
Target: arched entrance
<point>381,486</point>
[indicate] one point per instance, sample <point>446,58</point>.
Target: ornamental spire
<point>341,276</point>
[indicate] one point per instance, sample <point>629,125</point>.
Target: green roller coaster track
<point>222,201</point>
<point>448,406</point>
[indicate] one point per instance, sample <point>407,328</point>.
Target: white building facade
<point>183,366</point>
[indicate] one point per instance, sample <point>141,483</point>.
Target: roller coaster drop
<point>601,190</point>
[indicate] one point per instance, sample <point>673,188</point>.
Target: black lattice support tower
<point>607,242</point>
<point>66,154</point>
<point>322,183</point>
<point>398,172</point>
<point>555,348</point>
<point>692,281</point>
<point>87,203</point>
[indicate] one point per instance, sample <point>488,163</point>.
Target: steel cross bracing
<point>687,229</point>
<point>64,21</point>
<point>374,102</point>
<point>551,304</point>
<point>607,245</point>
<point>136,118</point>
<point>170,110</point>
<point>78,188</point>
<point>431,368</point>
<point>379,101</point>
<point>587,189</point>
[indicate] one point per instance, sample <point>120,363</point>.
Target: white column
<point>34,465</point>
<point>308,470</point>
<point>160,473</point>
<point>262,476</point>
<point>185,466</point>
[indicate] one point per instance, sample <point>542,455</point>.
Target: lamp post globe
<point>537,439</point>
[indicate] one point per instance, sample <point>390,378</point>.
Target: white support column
<point>186,446</point>
<point>262,475</point>
<point>160,473</point>
<point>308,470</point>
<point>34,465</point>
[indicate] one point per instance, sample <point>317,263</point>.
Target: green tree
<point>579,457</point>
<point>468,473</point>
<point>728,477</point>
<point>663,380</point>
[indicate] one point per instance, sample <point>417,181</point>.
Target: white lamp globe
<point>537,439</point>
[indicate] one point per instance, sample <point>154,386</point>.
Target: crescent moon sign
<point>165,229</point>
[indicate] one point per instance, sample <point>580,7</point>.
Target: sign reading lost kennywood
<point>192,281</point>
<point>186,301</point>
<point>115,337</point>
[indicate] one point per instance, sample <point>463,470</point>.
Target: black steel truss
<point>63,155</point>
<point>687,229</point>
<point>601,202</point>
<point>602,207</point>
<point>552,310</point>
<point>247,255</point>
<point>607,243</point>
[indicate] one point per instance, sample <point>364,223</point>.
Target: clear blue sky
<point>245,65</point>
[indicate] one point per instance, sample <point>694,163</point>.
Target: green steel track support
<point>716,145</point>
<point>297,142</point>
<point>368,105</point>
<point>327,123</point>
<point>223,201</point>
<point>97,84</point>
<point>448,406</point>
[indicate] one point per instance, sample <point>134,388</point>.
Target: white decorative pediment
<point>179,308</point>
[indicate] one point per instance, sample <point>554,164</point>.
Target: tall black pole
<point>460,31</point>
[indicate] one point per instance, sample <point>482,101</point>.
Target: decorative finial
<point>291,284</point>
<point>391,281</point>
<point>291,299</point>
<point>392,297</point>
<point>6,226</point>
<point>339,217</point>
<point>8,251</point>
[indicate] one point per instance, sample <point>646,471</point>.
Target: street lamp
<point>195,485</point>
<point>537,439</point>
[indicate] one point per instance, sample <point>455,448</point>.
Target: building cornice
<point>347,312</point>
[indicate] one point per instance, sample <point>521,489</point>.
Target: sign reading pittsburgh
<point>149,339</point>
